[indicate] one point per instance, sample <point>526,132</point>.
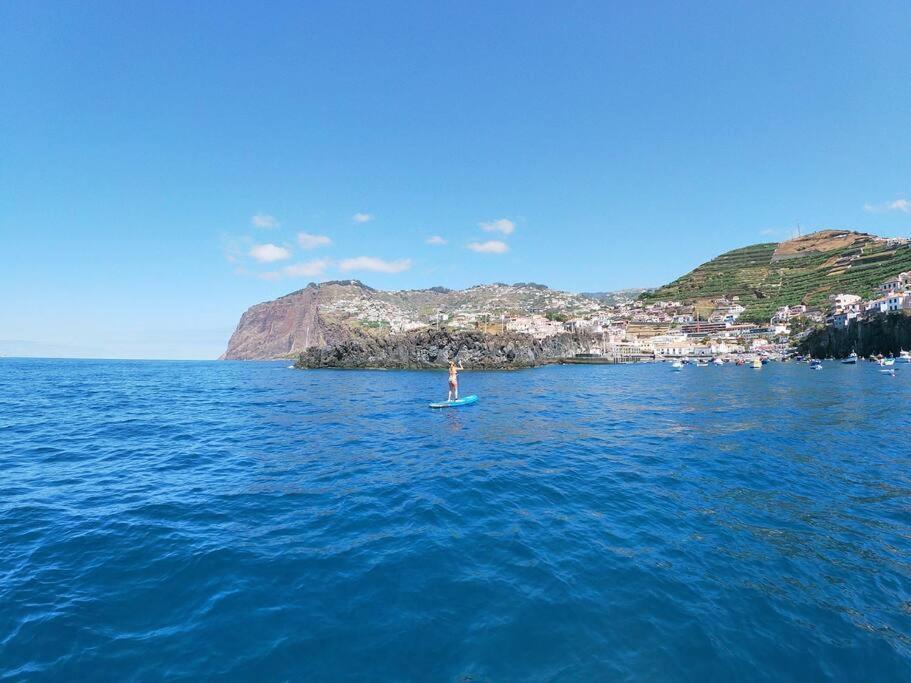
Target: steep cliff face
<point>278,329</point>
<point>435,348</point>
<point>883,334</point>
<point>328,314</point>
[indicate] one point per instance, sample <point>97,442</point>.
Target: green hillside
<point>801,271</point>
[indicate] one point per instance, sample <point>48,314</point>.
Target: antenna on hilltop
<point>798,229</point>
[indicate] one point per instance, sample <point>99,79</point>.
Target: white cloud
<point>264,221</point>
<point>362,217</point>
<point>307,269</point>
<point>490,247</point>
<point>375,265</point>
<point>308,241</point>
<point>903,205</point>
<point>503,225</point>
<point>268,253</point>
<point>436,240</point>
<point>313,268</point>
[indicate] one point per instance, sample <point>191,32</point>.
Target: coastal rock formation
<point>885,334</point>
<point>328,314</point>
<point>431,348</point>
<point>279,328</point>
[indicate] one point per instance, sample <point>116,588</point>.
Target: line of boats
<point>883,361</point>
<point>886,363</point>
<point>702,363</point>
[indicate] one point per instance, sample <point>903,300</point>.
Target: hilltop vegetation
<point>802,271</point>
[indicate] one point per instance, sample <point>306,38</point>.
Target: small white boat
<point>887,362</point>
<point>756,364</point>
<point>677,365</point>
<point>850,360</point>
<point>905,356</point>
<point>718,361</point>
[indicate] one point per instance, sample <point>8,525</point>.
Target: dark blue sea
<point>245,521</point>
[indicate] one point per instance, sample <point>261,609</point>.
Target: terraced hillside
<point>800,271</point>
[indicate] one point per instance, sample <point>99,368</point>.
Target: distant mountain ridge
<point>804,270</point>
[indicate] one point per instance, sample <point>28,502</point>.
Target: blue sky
<point>159,160</point>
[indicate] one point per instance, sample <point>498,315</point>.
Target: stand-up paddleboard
<point>467,401</point>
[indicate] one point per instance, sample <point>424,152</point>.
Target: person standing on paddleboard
<point>454,380</point>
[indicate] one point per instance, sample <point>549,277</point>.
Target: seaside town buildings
<point>893,296</point>
<point>626,329</point>
<point>635,330</point>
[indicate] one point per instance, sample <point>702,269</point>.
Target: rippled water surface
<point>247,521</point>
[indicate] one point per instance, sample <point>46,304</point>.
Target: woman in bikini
<point>454,380</point>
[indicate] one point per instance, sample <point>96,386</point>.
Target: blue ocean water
<point>246,521</point>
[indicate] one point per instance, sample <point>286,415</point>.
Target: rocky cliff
<point>277,329</point>
<point>882,334</point>
<point>328,314</point>
<point>431,348</point>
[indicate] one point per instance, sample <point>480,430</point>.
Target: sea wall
<point>882,334</point>
<point>435,348</point>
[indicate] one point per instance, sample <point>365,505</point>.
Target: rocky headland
<point>349,314</point>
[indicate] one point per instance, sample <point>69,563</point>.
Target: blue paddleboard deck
<point>467,401</point>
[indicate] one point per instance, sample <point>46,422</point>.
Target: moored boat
<point>850,360</point>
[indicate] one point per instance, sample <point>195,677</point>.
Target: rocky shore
<point>880,335</point>
<point>426,349</point>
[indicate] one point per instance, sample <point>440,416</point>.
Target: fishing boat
<point>702,363</point>
<point>718,361</point>
<point>815,364</point>
<point>677,365</point>
<point>850,360</point>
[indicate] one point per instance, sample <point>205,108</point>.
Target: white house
<point>899,283</point>
<point>898,302</point>
<point>839,302</point>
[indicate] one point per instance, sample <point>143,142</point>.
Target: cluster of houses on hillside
<point>892,296</point>
<point>635,330</point>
